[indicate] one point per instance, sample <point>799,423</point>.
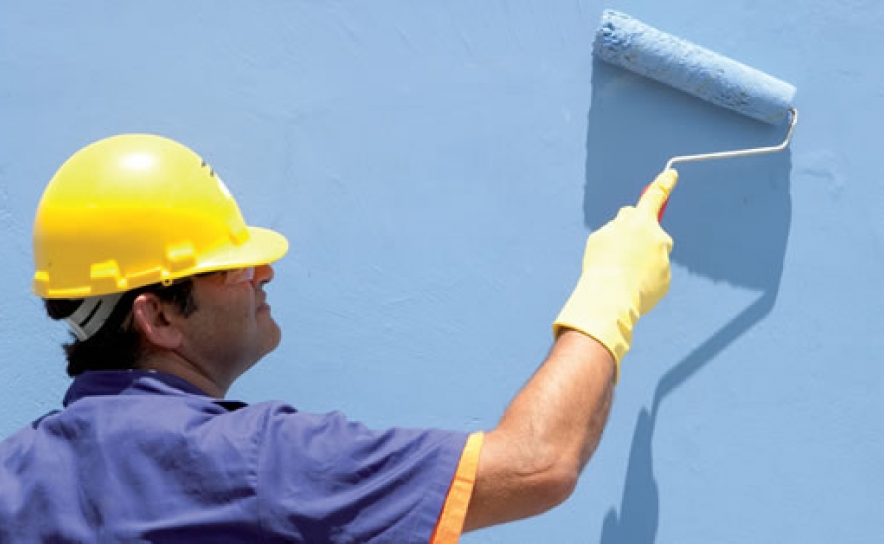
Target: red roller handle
<point>662,208</point>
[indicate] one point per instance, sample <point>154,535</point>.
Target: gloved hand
<point>625,272</point>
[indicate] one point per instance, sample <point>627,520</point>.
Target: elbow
<point>518,479</point>
<point>554,485</point>
<point>547,480</point>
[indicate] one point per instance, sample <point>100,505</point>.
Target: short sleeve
<point>322,478</point>
<point>454,511</point>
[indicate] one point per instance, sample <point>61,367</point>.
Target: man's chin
<point>274,337</point>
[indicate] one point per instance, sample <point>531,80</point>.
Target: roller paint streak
<point>635,46</point>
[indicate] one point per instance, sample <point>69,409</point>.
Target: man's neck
<point>188,371</point>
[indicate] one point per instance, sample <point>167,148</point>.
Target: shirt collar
<point>129,382</point>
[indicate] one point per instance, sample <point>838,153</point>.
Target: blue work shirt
<point>140,456</point>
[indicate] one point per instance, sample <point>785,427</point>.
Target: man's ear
<point>155,320</point>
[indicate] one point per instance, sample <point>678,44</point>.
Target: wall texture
<point>437,166</point>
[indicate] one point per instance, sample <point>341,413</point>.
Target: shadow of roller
<point>637,519</point>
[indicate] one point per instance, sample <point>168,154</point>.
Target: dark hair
<point>117,345</point>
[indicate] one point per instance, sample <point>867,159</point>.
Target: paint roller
<point>637,47</point>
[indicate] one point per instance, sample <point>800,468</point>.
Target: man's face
<point>231,328</point>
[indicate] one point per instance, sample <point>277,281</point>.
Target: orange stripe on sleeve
<point>454,511</point>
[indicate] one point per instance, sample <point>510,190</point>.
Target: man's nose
<point>263,274</point>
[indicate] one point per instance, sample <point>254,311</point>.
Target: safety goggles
<point>233,276</point>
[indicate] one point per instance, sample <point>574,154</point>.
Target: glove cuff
<point>592,312</point>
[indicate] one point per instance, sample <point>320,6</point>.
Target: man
<point>141,249</point>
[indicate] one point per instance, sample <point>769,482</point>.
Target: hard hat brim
<point>264,246</point>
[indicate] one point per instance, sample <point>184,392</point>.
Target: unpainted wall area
<point>437,166</point>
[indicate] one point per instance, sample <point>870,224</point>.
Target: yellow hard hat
<point>138,209</point>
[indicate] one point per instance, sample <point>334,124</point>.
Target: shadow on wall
<point>729,219</point>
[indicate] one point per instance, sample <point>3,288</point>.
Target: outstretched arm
<point>531,461</point>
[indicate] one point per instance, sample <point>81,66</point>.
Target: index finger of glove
<point>657,193</point>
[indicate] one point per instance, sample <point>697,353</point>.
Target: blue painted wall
<point>437,165</point>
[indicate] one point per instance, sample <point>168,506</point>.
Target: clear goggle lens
<point>233,276</point>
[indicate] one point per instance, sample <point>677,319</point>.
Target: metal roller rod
<point>739,152</point>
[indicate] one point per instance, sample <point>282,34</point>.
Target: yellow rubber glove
<point>625,272</point>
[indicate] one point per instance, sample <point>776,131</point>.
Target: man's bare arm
<point>530,462</point>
